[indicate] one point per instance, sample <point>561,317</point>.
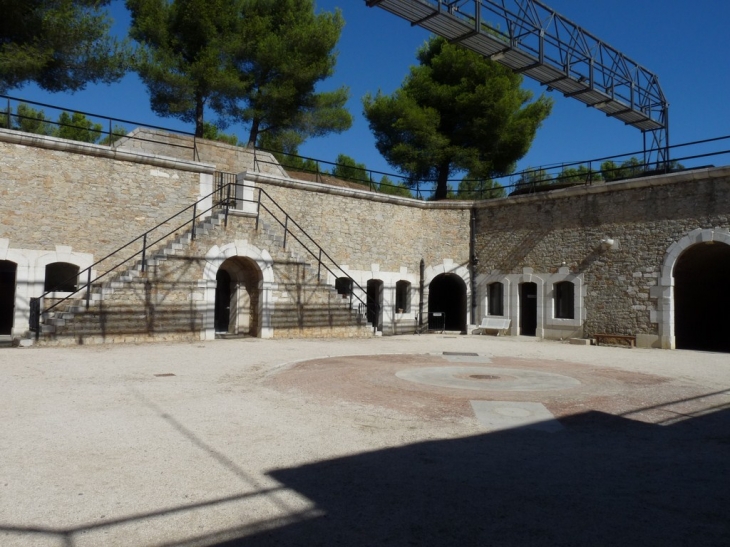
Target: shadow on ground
<point>604,480</point>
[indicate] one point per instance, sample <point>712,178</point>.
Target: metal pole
<point>422,270</point>
<point>144,251</point>
<point>286,229</point>
<point>88,288</point>
<point>258,209</point>
<point>228,201</point>
<point>319,265</point>
<point>473,261</point>
<point>195,209</point>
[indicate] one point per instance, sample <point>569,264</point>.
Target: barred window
<point>61,277</point>
<point>403,297</point>
<point>496,298</point>
<point>564,300</point>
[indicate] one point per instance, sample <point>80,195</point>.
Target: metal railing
<point>685,156</point>
<point>223,196</point>
<point>100,129</point>
<point>288,224</point>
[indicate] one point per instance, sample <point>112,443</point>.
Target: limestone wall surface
<point>567,227</point>
<point>225,157</point>
<point>360,231</point>
<point>81,195</point>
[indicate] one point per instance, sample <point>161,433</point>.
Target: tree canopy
<point>251,61</point>
<point>181,57</point>
<point>281,51</point>
<point>60,44</point>
<point>456,111</point>
<point>346,168</point>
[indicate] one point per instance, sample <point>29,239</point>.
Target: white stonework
<point>548,326</point>
<point>30,277</point>
<point>266,302</point>
<point>664,290</point>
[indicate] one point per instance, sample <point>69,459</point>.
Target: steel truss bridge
<point>532,39</point>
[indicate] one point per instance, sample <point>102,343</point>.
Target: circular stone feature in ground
<point>373,383</point>
<point>499,379</point>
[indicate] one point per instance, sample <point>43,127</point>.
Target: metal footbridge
<point>532,39</point>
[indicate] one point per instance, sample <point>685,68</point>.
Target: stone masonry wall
<point>644,217</point>
<point>51,197</point>
<point>358,231</point>
<point>225,157</point>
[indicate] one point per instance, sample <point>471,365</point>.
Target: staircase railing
<point>223,196</point>
<point>320,254</point>
<point>147,241</point>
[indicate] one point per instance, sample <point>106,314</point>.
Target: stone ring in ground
<point>488,378</point>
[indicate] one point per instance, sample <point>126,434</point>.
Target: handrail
<point>506,184</point>
<point>318,256</point>
<point>145,246</point>
<point>224,188</point>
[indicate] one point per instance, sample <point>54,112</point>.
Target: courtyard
<point>407,440</point>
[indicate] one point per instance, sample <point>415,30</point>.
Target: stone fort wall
<point>569,229</point>
<point>64,198</point>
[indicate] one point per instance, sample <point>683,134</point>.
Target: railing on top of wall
<point>224,196</point>
<point>631,165</point>
<point>92,129</point>
<point>531,180</point>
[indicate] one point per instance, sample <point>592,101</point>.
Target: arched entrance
<point>528,309</point>
<point>447,296</point>
<point>7,295</point>
<point>375,303</point>
<point>701,297</point>
<point>238,297</point>
<point>222,301</point>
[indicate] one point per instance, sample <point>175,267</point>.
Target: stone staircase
<point>163,303</point>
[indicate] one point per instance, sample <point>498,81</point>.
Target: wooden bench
<point>498,324</point>
<point>630,339</point>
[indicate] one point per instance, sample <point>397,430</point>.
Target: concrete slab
<point>501,415</point>
<point>488,378</point>
<point>456,358</point>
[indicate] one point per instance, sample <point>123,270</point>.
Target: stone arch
<point>447,267</point>
<point>664,291</point>
<point>254,258</point>
<point>64,255</point>
<point>23,286</point>
<point>8,277</point>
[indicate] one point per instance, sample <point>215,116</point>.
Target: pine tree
<point>60,44</point>
<point>457,111</point>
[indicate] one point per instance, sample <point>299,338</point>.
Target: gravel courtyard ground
<point>388,441</point>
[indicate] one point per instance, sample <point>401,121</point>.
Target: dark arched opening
<point>222,301</point>
<point>528,309</point>
<point>702,298</point>
<point>375,303</point>
<point>237,297</point>
<point>7,295</point>
<point>61,277</point>
<point>447,296</point>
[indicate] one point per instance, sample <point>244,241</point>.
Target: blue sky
<point>685,43</point>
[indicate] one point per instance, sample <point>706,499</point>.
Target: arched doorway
<point>447,296</point>
<point>528,309</point>
<point>701,297</point>
<point>7,295</point>
<point>375,303</point>
<point>222,301</point>
<point>238,297</point>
